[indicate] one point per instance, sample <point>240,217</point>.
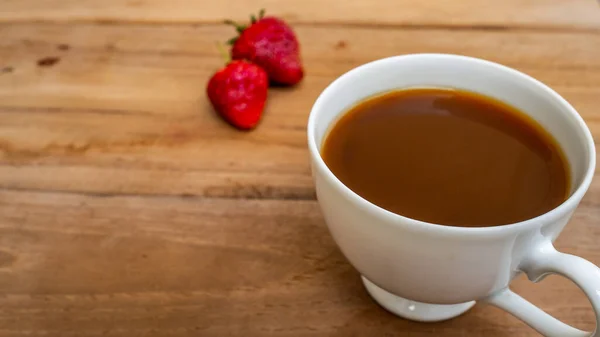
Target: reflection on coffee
<point>448,157</point>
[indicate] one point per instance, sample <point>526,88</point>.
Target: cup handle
<point>543,260</point>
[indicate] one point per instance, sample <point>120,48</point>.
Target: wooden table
<point>127,208</point>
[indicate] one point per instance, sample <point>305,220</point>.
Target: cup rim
<point>561,210</point>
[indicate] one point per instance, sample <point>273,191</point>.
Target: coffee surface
<point>448,157</point>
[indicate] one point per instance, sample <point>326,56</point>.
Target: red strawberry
<point>272,44</point>
<point>238,92</point>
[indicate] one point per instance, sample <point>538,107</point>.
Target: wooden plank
<point>127,208</point>
<point>124,111</point>
<point>166,266</point>
<point>572,14</point>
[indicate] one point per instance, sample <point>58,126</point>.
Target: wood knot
<point>48,61</point>
<point>341,44</point>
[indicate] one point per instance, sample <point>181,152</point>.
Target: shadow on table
<point>479,321</point>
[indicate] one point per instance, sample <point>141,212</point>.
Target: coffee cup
<point>431,272</point>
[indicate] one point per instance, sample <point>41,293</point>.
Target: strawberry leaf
<point>239,28</point>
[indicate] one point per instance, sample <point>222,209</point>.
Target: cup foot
<point>412,310</point>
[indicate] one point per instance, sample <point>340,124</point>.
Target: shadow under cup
<point>426,262</point>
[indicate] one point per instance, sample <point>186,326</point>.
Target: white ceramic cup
<point>429,272</point>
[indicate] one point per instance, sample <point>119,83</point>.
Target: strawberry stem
<point>240,28</point>
<point>223,53</point>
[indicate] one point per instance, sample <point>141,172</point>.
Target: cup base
<point>412,310</point>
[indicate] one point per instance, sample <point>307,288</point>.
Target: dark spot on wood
<point>110,47</point>
<point>144,256</point>
<point>48,61</point>
<point>63,47</point>
<point>7,70</point>
<point>341,44</point>
<point>6,259</point>
<point>261,192</point>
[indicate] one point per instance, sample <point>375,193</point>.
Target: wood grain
<point>572,14</point>
<point>127,208</point>
<point>127,107</point>
<point>128,266</point>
